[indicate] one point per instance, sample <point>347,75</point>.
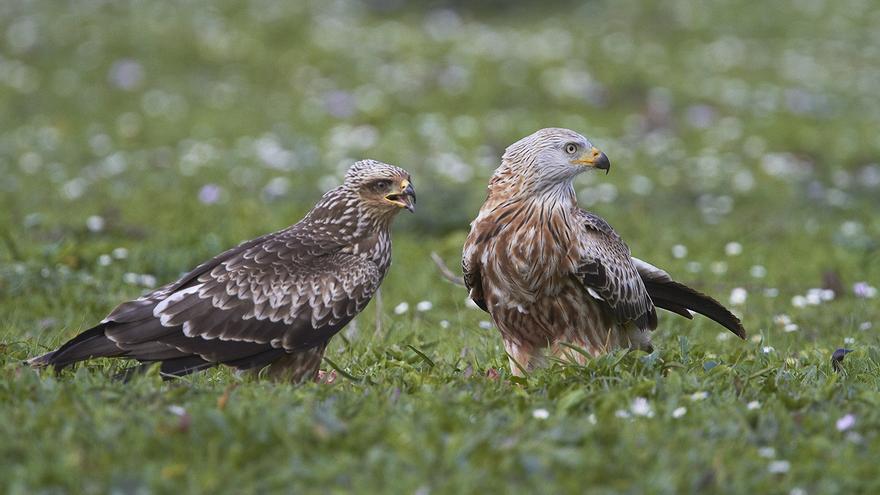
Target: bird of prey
<point>274,300</point>
<point>554,276</point>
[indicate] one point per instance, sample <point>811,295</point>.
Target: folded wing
<point>245,308</point>
<point>607,271</point>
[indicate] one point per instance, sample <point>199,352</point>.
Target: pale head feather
<point>365,171</point>
<point>539,162</point>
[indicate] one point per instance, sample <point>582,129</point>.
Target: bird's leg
<point>520,356</point>
<point>378,303</point>
<point>298,366</point>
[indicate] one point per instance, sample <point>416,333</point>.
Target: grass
<point>139,138</point>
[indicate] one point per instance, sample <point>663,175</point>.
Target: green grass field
<point>139,138</point>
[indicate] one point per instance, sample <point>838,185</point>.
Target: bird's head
<point>382,188</point>
<point>552,156</point>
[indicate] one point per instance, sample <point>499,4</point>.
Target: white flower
<point>679,251</point>
<point>738,296</point>
<point>865,325</point>
<point>722,336</point>
<point>120,253</point>
<point>210,194</point>
<point>753,405</point>
<point>540,414</point>
<point>767,349</point>
<point>767,452</point>
<point>851,228</point>
<point>758,271</point>
<point>148,281</point>
<point>799,301</point>
<point>444,323</point>
<point>846,422</point>
<point>423,306</point>
<point>74,188</point>
<point>791,327</point>
<point>401,308</point>
<point>782,320</point>
<point>849,340</point>
<point>863,290</point>
<point>620,413</point>
<point>699,395</point>
<point>177,410</point>
<point>719,267</point>
<point>104,260</point>
<point>591,419</point>
<point>779,467</point>
<point>679,412</point>
<point>733,249</point>
<point>95,223</point>
<point>641,407</point>
<point>486,325</point>
<point>771,292</point>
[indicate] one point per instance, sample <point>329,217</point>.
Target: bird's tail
<point>681,299</point>
<point>89,344</point>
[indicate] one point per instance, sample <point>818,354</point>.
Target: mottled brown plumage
<point>277,299</point>
<point>553,275</point>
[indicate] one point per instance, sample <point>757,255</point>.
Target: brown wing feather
<point>268,295</point>
<point>284,291</point>
<point>606,268</point>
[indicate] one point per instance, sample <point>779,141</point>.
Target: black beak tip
<point>603,163</point>
<point>411,194</point>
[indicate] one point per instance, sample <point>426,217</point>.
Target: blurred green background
<point>138,138</point>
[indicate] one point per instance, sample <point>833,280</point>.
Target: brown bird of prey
<point>275,300</point>
<point>555,276</point>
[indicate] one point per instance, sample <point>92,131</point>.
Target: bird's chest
<point>375,247</point>
<point>533,259</point>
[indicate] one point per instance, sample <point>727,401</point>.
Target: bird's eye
<point>383,185</point>
<point>571,148</point>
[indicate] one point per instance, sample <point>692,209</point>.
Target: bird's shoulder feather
<point>606,268</point>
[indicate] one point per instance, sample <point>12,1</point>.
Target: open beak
<point>406,198</point>
<point>594,158</point>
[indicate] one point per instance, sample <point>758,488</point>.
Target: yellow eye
<point>571,148</point>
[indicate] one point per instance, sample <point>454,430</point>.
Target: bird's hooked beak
<point>406,198</point>
<point>594,158</point>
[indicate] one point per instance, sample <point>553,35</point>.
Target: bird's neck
<point>558,195</point>
<point>562,193</point>
<point>372,221</point>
